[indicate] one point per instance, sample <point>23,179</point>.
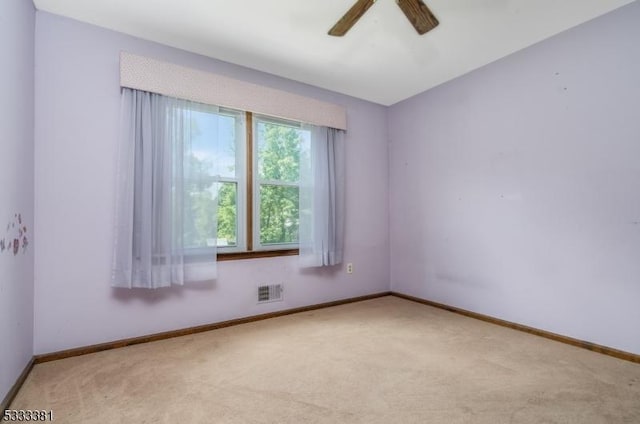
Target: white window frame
<point>257,182</point>
<point>240,180</point>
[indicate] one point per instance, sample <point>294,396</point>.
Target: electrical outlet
<point>349,268</point>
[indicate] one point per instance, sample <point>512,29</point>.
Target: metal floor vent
<point>270,293</point>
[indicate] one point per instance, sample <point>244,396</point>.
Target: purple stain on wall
<point>15,237</point>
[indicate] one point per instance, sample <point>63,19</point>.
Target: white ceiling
<point>382,58</point>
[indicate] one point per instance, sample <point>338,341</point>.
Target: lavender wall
<point>17,18</point>
<point>77,107</point>
<point>515,190</point>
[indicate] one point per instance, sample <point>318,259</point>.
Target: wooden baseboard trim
<point>620,354</point>
<point>193,330</point>
<point>6,402</point>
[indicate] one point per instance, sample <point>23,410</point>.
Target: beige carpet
<point>385,360</point>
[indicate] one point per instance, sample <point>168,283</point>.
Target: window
<point>195,180</point>
<point>250,165</point>
<point>278,145</point>
<point>215,163</point>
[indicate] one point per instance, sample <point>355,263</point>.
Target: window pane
<point>279,151</point>
<point>227,215</point>
<point>278,214</point>
<point>199,221</point>
<point>213,142</point>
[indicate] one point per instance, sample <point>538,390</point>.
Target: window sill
<point>256,254</point>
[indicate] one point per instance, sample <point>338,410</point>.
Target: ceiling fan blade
<point>419,15</point>
<point>351,17</point>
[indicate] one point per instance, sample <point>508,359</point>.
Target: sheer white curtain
<point>156,181</point>
<point>322,199</point>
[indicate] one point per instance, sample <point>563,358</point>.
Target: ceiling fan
<point>416,11</point>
